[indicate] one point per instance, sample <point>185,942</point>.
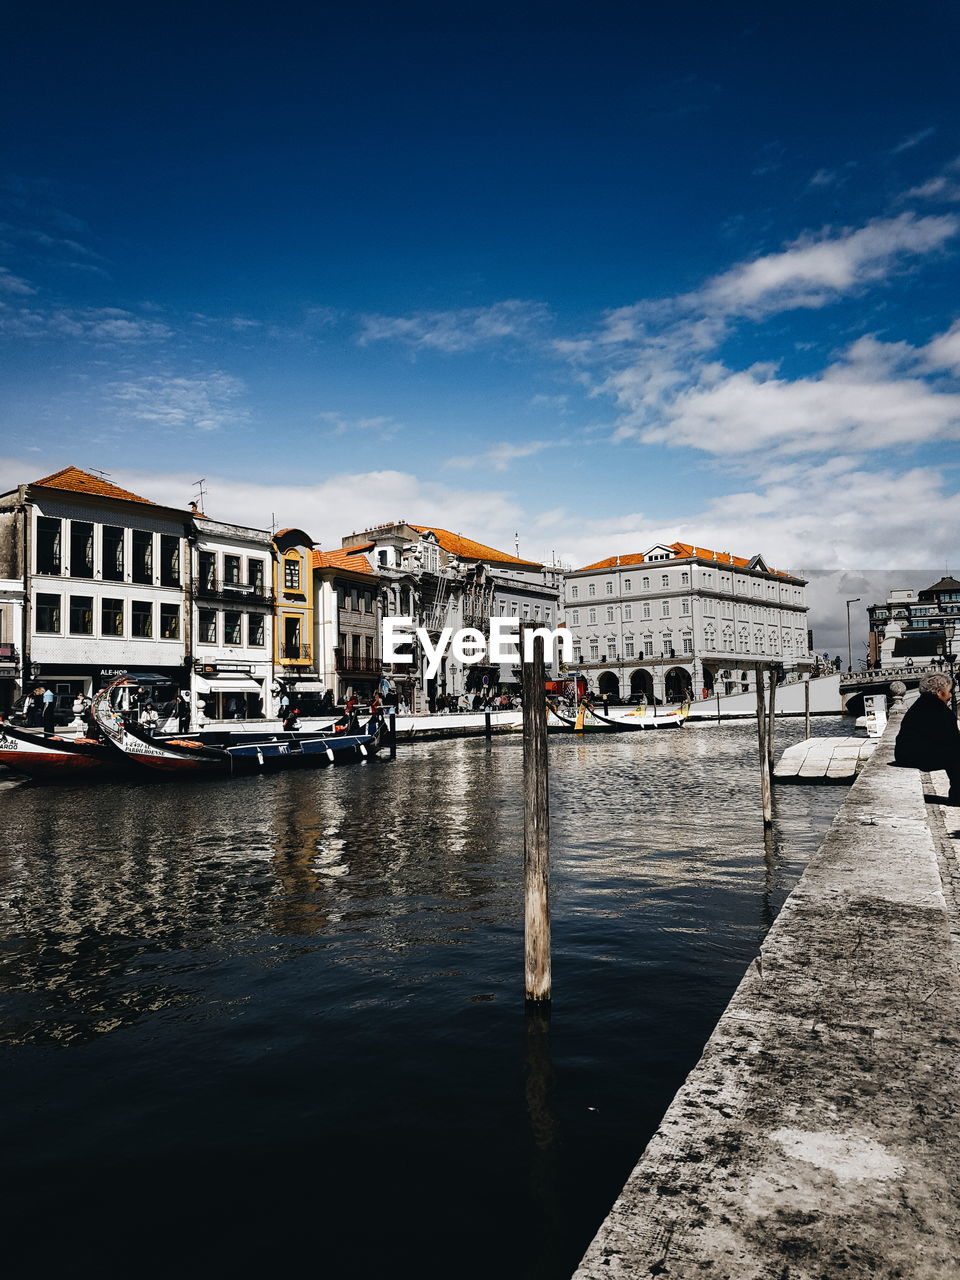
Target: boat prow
<point>51,757</point>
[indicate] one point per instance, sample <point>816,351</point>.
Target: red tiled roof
<point>77,481</point>
<point>352,560</point>
<point>682,551</point>
<point>467,549</point>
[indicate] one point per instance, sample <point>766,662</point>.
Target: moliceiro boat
<point>183,756</point>
<point>51,757</point>
<point>589,720</point>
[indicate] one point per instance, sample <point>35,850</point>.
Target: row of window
<point>706,581</point>
<point>355,599</point>
<point>212,624</point>
<point>665,643</point>
<point>123,555</point>
<point>136,618</point>
<point>233,570</point>
<point>647,608</point>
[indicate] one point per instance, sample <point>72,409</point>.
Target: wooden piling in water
<point>393,735</point>
<point>766,796</point>
<point>487,727</point>
<point>806,707</point>
<point>536,831</point>
<point>772,722</point>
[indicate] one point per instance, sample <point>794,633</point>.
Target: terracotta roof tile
<point>77,481</point>
<point>352,560</point>
<point>467,549</point>
<point>683,551</point>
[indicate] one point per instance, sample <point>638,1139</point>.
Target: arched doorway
<point>609,686</point>
<point>707,682</point>
<point>677,684</point>
<point>641,682</point>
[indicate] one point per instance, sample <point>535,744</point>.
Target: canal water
<point>278,1022</point>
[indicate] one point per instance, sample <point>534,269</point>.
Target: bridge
<point>879,680</point>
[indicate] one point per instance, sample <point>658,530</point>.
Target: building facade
<point>915,627</point>
<point>348,613</point>
<point>673,621</point>
<point>101,572</point>
<point>232,603</point>
<point>441,579</point>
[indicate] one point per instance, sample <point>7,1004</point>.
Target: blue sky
<point>599,275</point>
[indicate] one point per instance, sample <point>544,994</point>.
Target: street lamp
<point>855,600</point>
<point>949,631</point>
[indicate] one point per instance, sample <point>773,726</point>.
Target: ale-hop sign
<point>468,645</point>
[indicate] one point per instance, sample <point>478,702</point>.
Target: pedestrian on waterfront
<point>290,721</point>
<point>49,710</point>
<point>149,719</point>
<point>929,738</point>
<point>181,709</point>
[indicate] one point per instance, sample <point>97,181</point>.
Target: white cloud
<point>499,456</point>
<point>382,427</point>
<point>10,283</point>
<point>463,329</point>
<point>812,271</point>
<point>104,325</point>
<point>913,140</point>
<point>208,402</point>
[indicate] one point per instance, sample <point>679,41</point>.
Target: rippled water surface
<point>278,1021</point>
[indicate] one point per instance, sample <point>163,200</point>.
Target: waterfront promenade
<point>819,1134</point>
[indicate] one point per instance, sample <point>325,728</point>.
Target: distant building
<point>442,579</point>
<point>348,612</point>
<point>676,619</point>
<point>101,575</point>
<point>231,590</point>
<point>910,627</point>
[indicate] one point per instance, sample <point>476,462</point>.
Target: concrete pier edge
<point>818,1137</point>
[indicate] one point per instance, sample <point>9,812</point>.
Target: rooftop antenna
<point>273,523</point>
<point>97,472</point>
<point>201,492</point>
<point>516,542</point>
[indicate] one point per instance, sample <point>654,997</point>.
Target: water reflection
<point>334,959</point>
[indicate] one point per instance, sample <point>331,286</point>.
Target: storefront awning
<point>228,684</point>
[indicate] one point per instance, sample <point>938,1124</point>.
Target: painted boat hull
<point>50,758</point>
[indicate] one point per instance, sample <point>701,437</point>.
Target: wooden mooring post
<point>487,729</point>
<point>806,706</point>
<point>393,735</point>
<point>766,795</point>
<point>772,722</point>
<point>536,831</point>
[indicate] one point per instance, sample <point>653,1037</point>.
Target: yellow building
<point>293,588</point>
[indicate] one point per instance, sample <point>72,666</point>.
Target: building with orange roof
<point>348,612</point>
<point>102,575</point>
<point>110,582</point>
<point>443,579</point>
<point>679,620</point>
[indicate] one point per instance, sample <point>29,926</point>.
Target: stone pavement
<point>819,1135</point>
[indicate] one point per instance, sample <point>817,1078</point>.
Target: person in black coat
<point>929,738</point>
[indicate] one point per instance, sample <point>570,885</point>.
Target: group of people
<point>40,709</point>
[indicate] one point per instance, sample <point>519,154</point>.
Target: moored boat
<point>185,756</point>
<point>589,720</point>
<point>48,757</point>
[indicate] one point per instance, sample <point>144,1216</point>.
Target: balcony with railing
<point>236,593</point>
<point>356,663</point>
<point>294,653</point>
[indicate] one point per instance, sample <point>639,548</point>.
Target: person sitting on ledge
<point>929,738</point>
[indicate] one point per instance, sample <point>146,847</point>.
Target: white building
<point>441,579</point>
<point>675,619</point>
<point>101,574</point>
<point>11,639</point>
<point>232,606</point>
